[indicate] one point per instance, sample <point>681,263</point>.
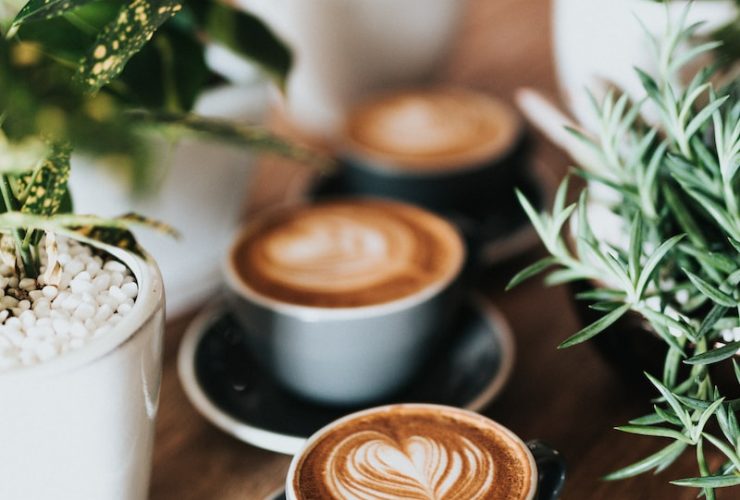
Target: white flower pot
<point>201,194</point>
<point>81,427</point>
<point>599,42</point>
<point>345,49</point>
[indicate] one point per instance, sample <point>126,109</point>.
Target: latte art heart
<point>370,465</point>
<point>414,452</point>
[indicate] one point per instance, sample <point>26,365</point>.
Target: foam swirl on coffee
<point>418,453</point>
<point>371,465</point>
<point>434,129</point>
<point>347,253</point>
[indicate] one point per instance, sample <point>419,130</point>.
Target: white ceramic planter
<point>81,427</point>
<point>600,41</point>
<point>345,49</point>
<point>201,193</point>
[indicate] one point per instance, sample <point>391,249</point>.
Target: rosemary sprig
<point>675,260</point>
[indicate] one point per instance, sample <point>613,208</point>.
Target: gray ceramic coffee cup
<point>345,355</point>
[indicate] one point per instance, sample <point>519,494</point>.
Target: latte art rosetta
<point>371,465</point>
<point>434,129</point>
<point>348,253</point>
<point>338,253</point>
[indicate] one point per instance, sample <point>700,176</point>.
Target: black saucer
<point>494,226</point>
<point>223,381</point>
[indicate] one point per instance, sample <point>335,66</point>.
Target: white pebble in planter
<point>80,370</point>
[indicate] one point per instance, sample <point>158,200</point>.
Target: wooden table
<point>570,398</point>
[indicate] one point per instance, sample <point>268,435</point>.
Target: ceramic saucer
<point>494,226</point>
<point>226,384</point>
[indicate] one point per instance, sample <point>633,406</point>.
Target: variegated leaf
<point>134,26</point>
<point>45,9</point>
<point>48,185</point>
<point>254,137</point>
<point>117,237</point>
<point>114,231</point>
<point>134,219</point>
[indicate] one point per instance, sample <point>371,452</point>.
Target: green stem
<point>30,267</point>
<point>731,201</point>
<point>172,101</point>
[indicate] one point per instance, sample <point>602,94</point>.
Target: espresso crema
<point>415,453</point>
<point>432,130</point>
<point>347,253</point>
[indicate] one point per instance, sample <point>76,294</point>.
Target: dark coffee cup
<point>447,149</point>
<point>417,449</point>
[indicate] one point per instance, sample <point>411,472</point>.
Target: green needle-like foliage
<point>675,187</point>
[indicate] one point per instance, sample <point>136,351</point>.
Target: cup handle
<point>551,470</point>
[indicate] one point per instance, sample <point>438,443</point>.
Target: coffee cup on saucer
<point>444,148</point>
<point>422,451</point>
<point>343,300</point>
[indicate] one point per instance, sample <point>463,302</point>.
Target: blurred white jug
<point>345,49</point>
<point>201,192</point>
<point>599,42</point>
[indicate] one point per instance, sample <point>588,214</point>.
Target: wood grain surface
<point>570,399</point>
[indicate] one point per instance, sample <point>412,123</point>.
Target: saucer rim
<point>524,238</point>
<point>290,444</point>
<point>261,438</point>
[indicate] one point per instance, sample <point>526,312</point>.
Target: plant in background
<point>676,260</point>
<point>729,35</point>
<point>104,74</point>
<point>100,76</point>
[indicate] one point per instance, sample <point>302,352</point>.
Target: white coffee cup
<point>350,354</point>
<point>345,49</point>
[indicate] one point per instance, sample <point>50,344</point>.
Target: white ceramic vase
<point>345,49</point>
<point>201,192</point>
<point>599,42</point>
<point>81,427</point>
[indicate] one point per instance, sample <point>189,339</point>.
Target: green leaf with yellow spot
<point>48,183</point>
<point>45,9</point>
<point>120,40</point>
<point>44,191</point>
<point>115,231</point>
<point>117,237</point>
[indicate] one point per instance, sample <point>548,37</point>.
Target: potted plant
<point>598,42</point>
<point>668,256</point>
<point>81,305</point>
<point>194,182</point>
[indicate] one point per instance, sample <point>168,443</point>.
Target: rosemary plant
<point>674,185</point>
<point>729,35</point>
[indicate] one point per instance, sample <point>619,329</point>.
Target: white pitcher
<point>599,42</point>
<point>200,192</point>
<point>344,49</point>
